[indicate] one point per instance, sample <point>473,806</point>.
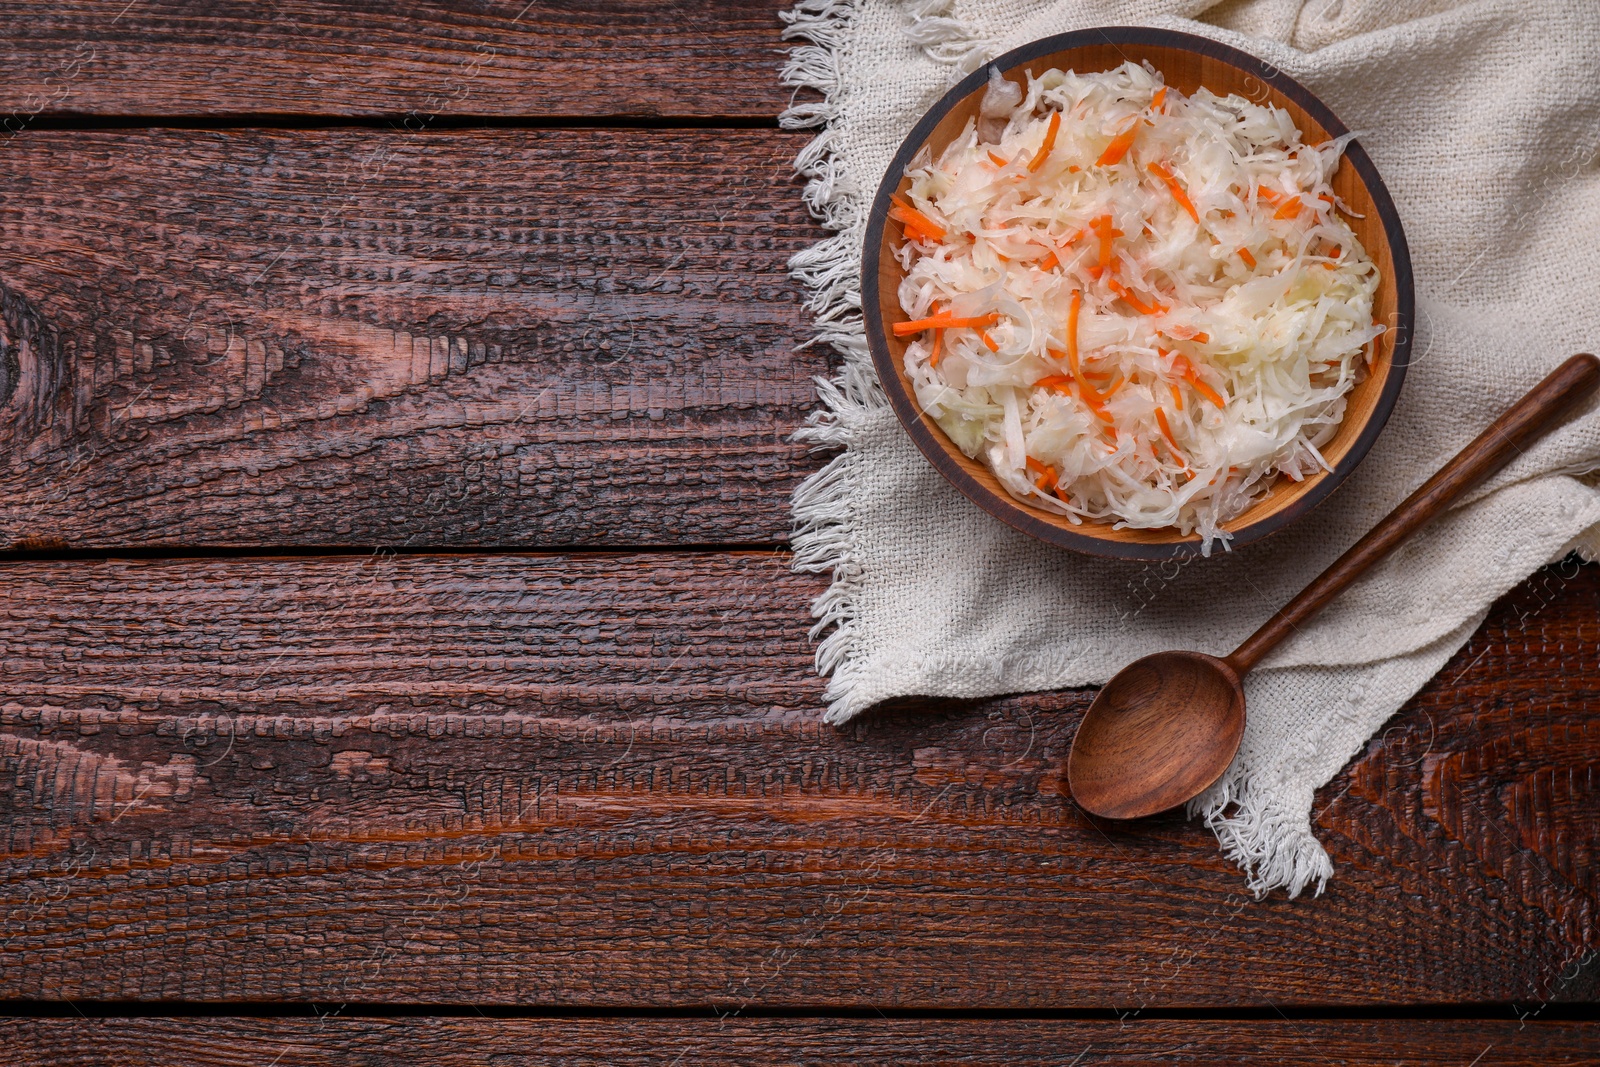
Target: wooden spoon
<point>1167,726</point>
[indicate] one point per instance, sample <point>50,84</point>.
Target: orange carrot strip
<point>1050,262</point>
<point>1263,193</point>
<point>1134,302</point>
<point>1119,146</point>
<point>1202,338</point>
<point>1045,474</point>
<point>1074,169</point>
<point>1109,393</point>
<point>933,356</point>
<point>913,215</point>
<point>915,227</point>
<point>983,335</point>
<point>1049,142</point>
<point>996,160</point>
<point>1177,396</point>
<point>942,322</point>
<point>1160,98</point>
<point>1105,231</point>
<point>1072,333</point>
<point>1206,391</point>
<point>1166,431</point>
<point>1178,194</point>
<point>1181,364</point>
<point>1086,392</point>
<point>1289,210</point>
<point>1249,260</point>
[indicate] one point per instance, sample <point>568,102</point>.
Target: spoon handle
<point>1540,409</point>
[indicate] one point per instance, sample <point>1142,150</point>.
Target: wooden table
<point>401,661</point>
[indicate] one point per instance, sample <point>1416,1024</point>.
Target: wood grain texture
<point>602,780</point>
<point>628,1042</point>
<point>419,59</point>
<point>355,337</point>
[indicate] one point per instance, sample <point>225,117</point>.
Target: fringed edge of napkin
<point>824,535</point>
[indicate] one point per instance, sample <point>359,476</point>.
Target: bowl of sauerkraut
<point>1137,293</point>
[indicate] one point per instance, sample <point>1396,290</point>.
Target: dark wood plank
<point>449,57</point>
<point>601,780</point>
<point>354,337</point>
<point>453,1042</point>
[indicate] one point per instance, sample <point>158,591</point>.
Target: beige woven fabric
<point>1484,119</point>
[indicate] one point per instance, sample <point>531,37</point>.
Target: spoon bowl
<point>1158,733</point>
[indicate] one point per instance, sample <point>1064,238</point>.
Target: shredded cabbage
<point>1154,308</point>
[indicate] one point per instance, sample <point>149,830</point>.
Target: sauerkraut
<point>1135,306</point>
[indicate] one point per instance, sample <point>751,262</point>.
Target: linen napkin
<point>1484,120</point>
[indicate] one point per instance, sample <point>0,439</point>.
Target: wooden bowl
<point>1186,62</point>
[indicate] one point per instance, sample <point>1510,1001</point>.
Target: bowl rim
<point>1019,516</point>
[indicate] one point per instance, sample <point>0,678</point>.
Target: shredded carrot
<point>1049,142</point>
<point>1074,169</point>
<point>1105,231</point>
<point>1111,392</point>
<point>1138,305</point>
<point>910,216</point>
<point>1091,397</point>
<point>913,232</point>
<point>944,321</point>
<point>1165,174</point>
<point>1263,193</point>
<point>933,356</point>
<point>1166,431</point>
<point>983,335</point>
<point>1050,262</point>
<point>1249,260</point>
<point>916,226</point>
<point>1072,333</point>
<point>1119,146</point>
<point>1206,391</point>
<point>996,160</point>
<point>1325,196</point>
<point>1181,364</point>
<point>1289,210</point>
<point>1160,98</point>
<point>1044,473</point>
<point>1202,338</point>
<point>1177,397</point>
